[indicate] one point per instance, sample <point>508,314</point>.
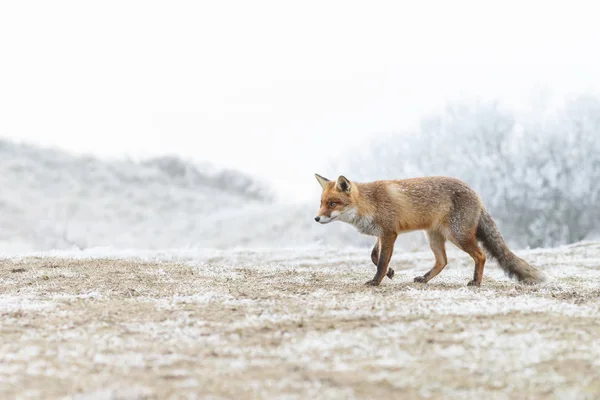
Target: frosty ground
<point>295,323</point>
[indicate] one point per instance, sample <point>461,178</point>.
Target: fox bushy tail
<point>493,243</point>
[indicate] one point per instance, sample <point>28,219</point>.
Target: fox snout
<point>323,219</point>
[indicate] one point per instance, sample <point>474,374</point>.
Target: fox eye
<point>332,204</point>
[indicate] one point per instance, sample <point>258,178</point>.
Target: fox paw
<point>390,273</point>
<point>420,279</point>
<point>372,282</point>
<point>474,283</point>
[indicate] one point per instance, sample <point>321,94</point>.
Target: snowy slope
<point>51,199</point>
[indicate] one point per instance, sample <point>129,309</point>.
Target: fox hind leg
<point>469,245</point>
<point>463,229</point>
<point>437,242</point>
<point>375,258</point>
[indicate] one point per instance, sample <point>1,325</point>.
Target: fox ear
<point>322,181</point>
<point>343,184</point>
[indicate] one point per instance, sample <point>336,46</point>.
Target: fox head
<point>336,200</point>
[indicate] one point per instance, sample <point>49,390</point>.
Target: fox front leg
<point>386,248</point>
<point>375,259</point>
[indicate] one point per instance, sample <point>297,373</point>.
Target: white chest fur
<point>364,224</point>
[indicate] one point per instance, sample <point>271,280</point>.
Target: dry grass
<point>296,324</point>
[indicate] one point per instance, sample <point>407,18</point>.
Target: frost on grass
<point>295,323</point>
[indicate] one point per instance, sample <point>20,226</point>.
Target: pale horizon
<point>273,90</point>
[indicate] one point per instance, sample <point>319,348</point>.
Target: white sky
<point>278,88</point>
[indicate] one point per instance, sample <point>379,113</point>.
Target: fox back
<point>398,205</point>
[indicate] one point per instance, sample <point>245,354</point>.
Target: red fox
<point>445,208</point>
